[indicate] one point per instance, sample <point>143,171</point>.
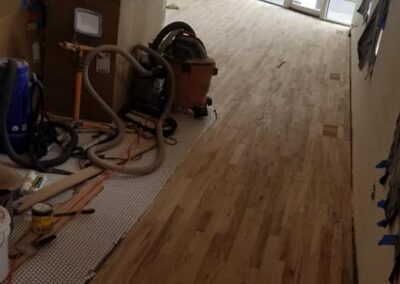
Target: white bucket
<point>5,221</point>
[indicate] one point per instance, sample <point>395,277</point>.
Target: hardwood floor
<point>265,196</point>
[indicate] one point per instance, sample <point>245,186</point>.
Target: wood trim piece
<point>58,187</point>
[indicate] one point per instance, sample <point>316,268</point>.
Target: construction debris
<point>281,64</point>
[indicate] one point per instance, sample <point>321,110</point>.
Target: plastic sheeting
<point>368,45</point>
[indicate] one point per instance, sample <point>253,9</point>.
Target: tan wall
<point>13,39</point>
<point>141,21</point>
<point>375,107</point>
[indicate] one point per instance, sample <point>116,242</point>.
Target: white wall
<point>375,107</point>
<point>141,21</point>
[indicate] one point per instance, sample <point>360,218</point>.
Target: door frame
<point>289,4</point>
<point>322,14</point>
<point>305,10</point>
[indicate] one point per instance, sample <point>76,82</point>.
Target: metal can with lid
<point>42,218</point>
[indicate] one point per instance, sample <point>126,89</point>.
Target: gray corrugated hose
<point>92,152</point>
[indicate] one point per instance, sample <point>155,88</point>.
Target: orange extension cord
<point>105,176</point>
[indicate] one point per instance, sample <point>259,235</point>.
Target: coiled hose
<point>26,160</point>
<point>92,152</point>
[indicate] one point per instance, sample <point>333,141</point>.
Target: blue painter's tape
<point>381,204</point>
<point>389,240</point>
<point>382,165</point>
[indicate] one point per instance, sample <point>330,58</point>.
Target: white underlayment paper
<point>83,244</point>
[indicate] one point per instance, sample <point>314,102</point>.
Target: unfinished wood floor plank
<point>265,195</point>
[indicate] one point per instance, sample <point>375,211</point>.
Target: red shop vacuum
<point>193,70</point>
<point>192,66</point>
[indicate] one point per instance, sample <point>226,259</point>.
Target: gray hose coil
<point>92,152</point>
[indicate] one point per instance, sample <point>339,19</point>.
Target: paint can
<point>42,218</point>
<point>5,229</point>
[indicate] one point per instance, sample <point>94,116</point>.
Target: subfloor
<point>265,196</point>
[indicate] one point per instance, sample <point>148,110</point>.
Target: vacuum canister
<point>19,112</point>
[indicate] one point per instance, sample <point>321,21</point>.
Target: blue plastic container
<point>19,113</point>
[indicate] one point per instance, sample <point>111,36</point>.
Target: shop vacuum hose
<point>92,152</point>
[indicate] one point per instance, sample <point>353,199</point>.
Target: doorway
<point>337,11</point>
<point>312,7</point>
<point>341,11</point>
<point>277,2</point>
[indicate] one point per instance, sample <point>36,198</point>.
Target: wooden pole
<point>78,85</point>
